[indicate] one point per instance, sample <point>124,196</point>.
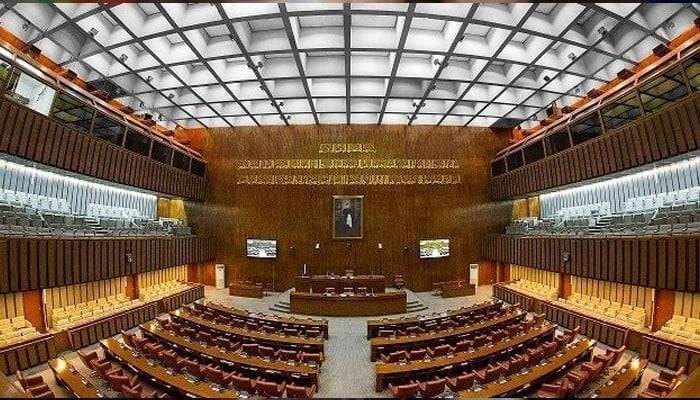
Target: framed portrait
<point>347,217</point>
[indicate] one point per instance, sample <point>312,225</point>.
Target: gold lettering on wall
<point>355,179</point>
<point>348,164</point>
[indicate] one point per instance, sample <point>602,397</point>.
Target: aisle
<point>347,371</point>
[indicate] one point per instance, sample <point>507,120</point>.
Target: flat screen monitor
<point>261,248</point>
<point>434,248</point>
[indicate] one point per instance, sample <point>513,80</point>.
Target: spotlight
<point>577,90</point>
<point>160,117</point>
<point>670,24</point>
<point>433,87</point>
<point>602,31</point>
<point>171,95</point>
<point>571,56</point>
<point>123,57</point>
<point>25,26</point>
<point>149,79</point>
<point>141,104</point>
<point>437,61</point>
<point>547,78</point>
<point>94,31</point>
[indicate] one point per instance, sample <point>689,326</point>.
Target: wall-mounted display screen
<point>434,248</point>
<point>261,248</point>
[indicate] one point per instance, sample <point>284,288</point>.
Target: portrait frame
<point>340,229</point>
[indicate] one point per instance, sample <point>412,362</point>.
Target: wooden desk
<point>276,340</point>
<point>539,373</point>
<point>243,290</point>
<point>406,342</point>
<point>336,305</point>
<point>319,283</point>
<point>177,382</point>
<point>374,325</point>
<point>689,388</point>
<point>386,371</point>
<point>274,320</point>
<point>8,390</point>
<point>457,289</point>
<point>303,371</point>
<point>72,380</point>
<point>623,379</point>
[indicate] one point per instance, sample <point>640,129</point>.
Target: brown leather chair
<point>128,338</point>
<point>86,357</point>
<point>549,349</point>
<point>172,360</point>
<point>404,391</point>
<point>399,283</point>
<point>394,356</point>
<point>267,351</point>
<point>217,376</point>
<point>132,392</point>
<point>432,388</point>
<point>243,383</point>
<point>250,349</point>
<point>288,355</point>
<point>670,377</point>
<point>116,381</point>
<point>534,356</point>
<point>270,389</point>
<point>32,384</point>
<point>300,392</point>
<point>312,357</point>
<point>553,391</point>
<point>418,354</point>
<point>104,368</point>
<point>593,369</point>
<point>195,369</point>
<point>438,351</point>
<point>386,333</point>
<point>461,382</point>
<point>488,374</point>
<point>656,389</point>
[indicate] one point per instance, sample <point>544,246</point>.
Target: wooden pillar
<point>565,288</point>
<point>664,304</point>
<point>34,309</point>
<point>132,286</point>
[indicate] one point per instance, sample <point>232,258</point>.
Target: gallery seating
<point>161,290</point>
<point>618,313</point>
<point>65,317</point>
<point>15,330</point>
<point>535,289</point>
<point>681,329</point>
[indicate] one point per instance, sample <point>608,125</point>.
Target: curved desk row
<point>337,305</point>
<point>385,372</point>
<point>274,320</point>
<point>374,325</point>
<point>177,382</point>
<point>256,365</point>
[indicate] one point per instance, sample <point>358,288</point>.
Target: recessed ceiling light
<point>571,56</point>
<point>123,57</point>
<point>149,78</point>
<point>547,78</point>
<point>94,31</point>
<point>602,31</point>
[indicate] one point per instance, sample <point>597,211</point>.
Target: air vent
<point>593,93</point>
<point>624,74</point>
<point>661,50</point>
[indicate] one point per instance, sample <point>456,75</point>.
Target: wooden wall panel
<point>300,216</point>
<point>687,304</point>
<point>651,261</point>
<point>148,279</point>
<point>660,135</point>
<point>27,134</point>
<point>11,305</point>
<point>534,275</point>
<point>39,263</point>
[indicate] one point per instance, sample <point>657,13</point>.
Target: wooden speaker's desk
<point>243,290</point>
<point>340,305</point>
<point>319,283</point>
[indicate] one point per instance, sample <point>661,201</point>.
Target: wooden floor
<point>347,370</point>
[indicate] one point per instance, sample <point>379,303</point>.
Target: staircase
<point>603,223</point>
<point>94,224</point>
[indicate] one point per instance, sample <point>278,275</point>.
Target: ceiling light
<point>141,104</point>
<point>160,117</point>
<point>25,26</point>
<point>547,78</point>
<point>433,87</point>
<point>571,56</point>
<point>123,57</point>
<point>602,31</point>
<point>93,31</point>
<point>437,61</point>
<point>171,95</point>
<point>670,24</point>
<point>577,90</point>
<point>285,117</point>
<point>149,78</point>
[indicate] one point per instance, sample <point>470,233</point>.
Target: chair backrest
<point>550,348</point>
<point>407,391</point>
<point>465,381</point>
